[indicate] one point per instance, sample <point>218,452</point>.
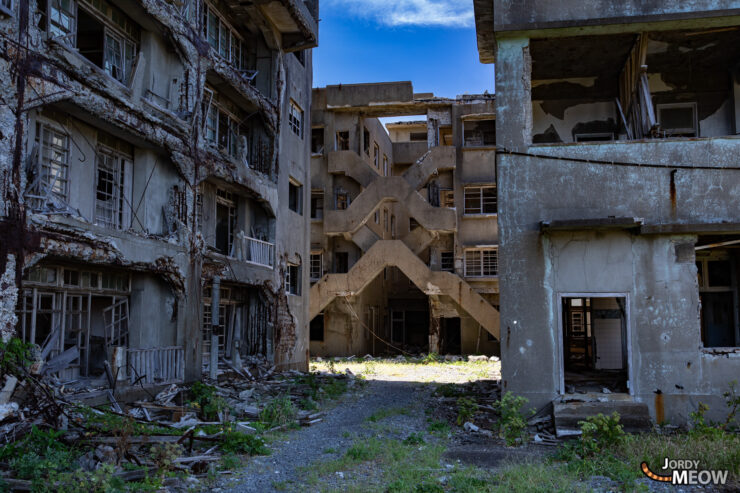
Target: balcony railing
<point>252,250</point>
<point>157,365</point>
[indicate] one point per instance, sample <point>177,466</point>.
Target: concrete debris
<point>129,429</point>
<point>477,358</point>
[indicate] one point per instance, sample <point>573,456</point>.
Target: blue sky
<point>429,42</point>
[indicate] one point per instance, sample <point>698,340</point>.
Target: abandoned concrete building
<point>153,161</point>
<point>618,168</point>
<point>403,222</point>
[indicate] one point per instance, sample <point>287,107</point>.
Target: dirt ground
<point>398,431</point>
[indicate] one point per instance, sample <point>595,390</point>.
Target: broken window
<point>74,316</point>
<point>295,196</point>
<point>341,199</point>
<point>223,38</point>
<point>105,35</point>
<point>341,262</point>
<point>317,141</point>
<point>479,133</point>
<point>53,169</point>
<point>385,219</point>
<point>366,140</point>
<point>377,217</point>
<point>678,119</point>
<point>481,263</point>
<point>293,279</point>
<point>295,119</point>
<point>317,204</point>
<point>447,261</point>
<point>481,200</point>
<point>231,319</point>
<point>717,299</point>
<point>225,220</point>
<point>385,165</point>
<point>112,166</point>
<point>300,56</point>
<point>316,267</point>
<point>376,156</point>
<point>418,137</point>
<point>393,226</point>
<point>447,197</point>
<point>413,224</point>
<point>317,328</point>
<point>61,18</point>
<point>343,141</point>
<point>222,117</point>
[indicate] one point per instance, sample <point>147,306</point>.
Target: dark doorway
<point>451,336</point>
<point>341,262</point>
<point>595,344</point>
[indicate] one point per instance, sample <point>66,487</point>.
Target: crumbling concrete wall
<point>159,112</point>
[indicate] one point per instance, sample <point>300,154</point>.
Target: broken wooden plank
<point>62,361</point>
<point>8,389</point>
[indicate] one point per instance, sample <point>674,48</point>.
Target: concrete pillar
<point>190,319</point>
<point>435,338</point>
<point>513,94</point>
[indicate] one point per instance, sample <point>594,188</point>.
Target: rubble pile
<point>57,436</point>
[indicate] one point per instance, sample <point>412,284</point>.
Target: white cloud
<point>449,13</point>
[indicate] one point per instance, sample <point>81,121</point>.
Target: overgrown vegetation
<point>14,355</point>
<point>207,402</point>
<point>512,426</point>
<point>279,411</point>
<point>466,409</point>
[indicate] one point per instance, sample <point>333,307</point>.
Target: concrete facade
<point>149,150</point>
<point>398,260</point>
<point>607,199</point>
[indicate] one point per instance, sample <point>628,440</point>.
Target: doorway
<point>451,336</point>
<point>595,342</point>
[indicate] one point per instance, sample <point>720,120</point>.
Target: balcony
<point>253,251</point>
<point>296,23</point>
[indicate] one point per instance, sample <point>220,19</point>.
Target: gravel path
<point>337,432</point>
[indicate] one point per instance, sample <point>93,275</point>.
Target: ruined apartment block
<point>619,191</point>
<point>153,161</point>
<point>404,236</point>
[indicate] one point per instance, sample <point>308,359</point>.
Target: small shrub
<point>512,425</point>
<point>280,411</point>
<point>438,426</point>
<point>206,400</point>
<point>448,390</point>
<point>599,433</point>
<point>240,443</point>
<point>416,438</point>
<point>14,355</point>
<point>732,400</point>
<point>430,358</point>
<point>466,409</point>
<point>164,455</point>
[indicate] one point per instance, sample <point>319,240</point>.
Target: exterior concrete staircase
<point>351,164</point>
<point>389,188</point>
<point>394,253</point>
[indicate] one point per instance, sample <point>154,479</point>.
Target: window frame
<point>295,187</point>
<point>443,260</point>
<point>679,132</point>
<point>293,279</point>
<point>317,197</point>
<point>316,266</point>
<point>121,163</point>
<point>481,271</point>
<point>7,9</point>
<point>214,111</point>
<point>469,194</point>
<point>42,127</point>
<point>232,41</point>
<point>295,119</point>
<point>469,142</point>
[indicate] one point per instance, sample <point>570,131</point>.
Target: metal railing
<point>157,365</point>
<point>252,250</point>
